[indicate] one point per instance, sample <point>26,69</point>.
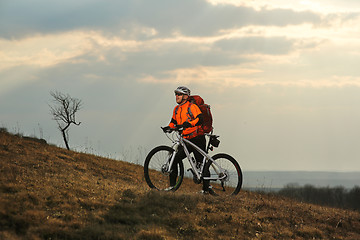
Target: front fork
<point>167,167</point>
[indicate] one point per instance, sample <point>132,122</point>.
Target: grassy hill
<point>48,192</point>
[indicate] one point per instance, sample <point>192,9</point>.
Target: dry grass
<point>51,193</point>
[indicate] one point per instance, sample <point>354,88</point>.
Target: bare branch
<point>64,112</point>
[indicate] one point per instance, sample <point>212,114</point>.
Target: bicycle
<point>225,172</point>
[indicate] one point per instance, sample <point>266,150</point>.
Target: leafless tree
<point>63,111</point>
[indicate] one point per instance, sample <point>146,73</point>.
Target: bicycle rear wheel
<point>154,169</point>
<point>228,182</point>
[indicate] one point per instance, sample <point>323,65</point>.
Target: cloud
<point>135,43</point>
<point>323,6</point>
<point>43,51</point>
<point>189,17</point>
<point>221,77</point>
<point>273,46</point>
<point>236,58</point>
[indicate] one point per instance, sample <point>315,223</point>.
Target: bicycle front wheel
<point>225,176</point>
<point>155,167</point>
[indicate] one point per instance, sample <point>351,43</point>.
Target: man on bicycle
<point>189,116</point>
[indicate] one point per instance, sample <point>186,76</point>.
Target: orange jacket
<point>181,114</point>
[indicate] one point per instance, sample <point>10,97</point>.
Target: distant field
<point>278,179</point>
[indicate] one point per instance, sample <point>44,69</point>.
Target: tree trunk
<point>65,140</point>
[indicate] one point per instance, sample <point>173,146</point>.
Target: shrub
<point>333,197</point>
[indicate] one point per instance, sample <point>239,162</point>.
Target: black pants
<point>199,141</point>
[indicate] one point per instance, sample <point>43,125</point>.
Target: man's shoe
<point>209,191</point>
<point>169,188</point>
<point>203,192</point>
<point>212,192</point>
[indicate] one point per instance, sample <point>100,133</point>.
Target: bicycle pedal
<point>197,181</point>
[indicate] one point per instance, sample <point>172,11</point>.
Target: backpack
<point>205,110</point>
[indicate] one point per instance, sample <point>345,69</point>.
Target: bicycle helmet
<point>183,90</point>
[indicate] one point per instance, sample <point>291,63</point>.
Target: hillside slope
<point>50,193</point>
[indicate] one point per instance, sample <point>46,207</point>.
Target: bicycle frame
<point>198,172</point>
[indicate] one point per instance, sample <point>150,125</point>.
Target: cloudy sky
<point>282,77</point>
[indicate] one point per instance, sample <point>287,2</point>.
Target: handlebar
<point>178,128</point>
<point>213,139</point>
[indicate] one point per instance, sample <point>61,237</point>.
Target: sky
<point>281,77</point>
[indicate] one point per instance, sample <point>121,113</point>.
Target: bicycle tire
<point>154,176</point>
<point>232,183</point>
